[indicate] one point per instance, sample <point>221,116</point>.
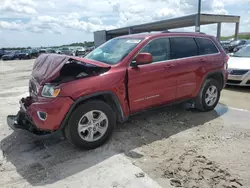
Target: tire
<point>200,102</point>
<point>79,139</point>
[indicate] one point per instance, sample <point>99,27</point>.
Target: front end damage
<point>41,115</point>
<point>23,122</point>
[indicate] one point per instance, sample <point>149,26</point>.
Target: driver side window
<point>159,49</point>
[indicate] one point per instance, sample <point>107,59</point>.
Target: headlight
<point>50,91</point>
<point>26,54</point>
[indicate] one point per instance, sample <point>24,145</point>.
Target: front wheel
<point>209,95</point>
<point>90,125</point>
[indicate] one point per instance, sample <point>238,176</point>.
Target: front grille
<point>32,87</point>
<point>238,72</point>
<point>233,81</point>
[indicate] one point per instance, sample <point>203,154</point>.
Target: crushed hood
<point>47,66</point>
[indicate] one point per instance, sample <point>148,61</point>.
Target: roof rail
<point>167,31</point>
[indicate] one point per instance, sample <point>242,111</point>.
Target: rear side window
<point>206,46</point>
<point>182,47</point>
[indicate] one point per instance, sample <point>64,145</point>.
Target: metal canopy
<point>185,21</point>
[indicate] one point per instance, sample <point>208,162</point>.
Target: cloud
<point>10,25</point>
<point>165,12</point>
<point>95,20</point>
<point>126,13</point>
<point>57,25</point>
<point>19,6</point>
<point>67,16</point>
<point>46,19</point>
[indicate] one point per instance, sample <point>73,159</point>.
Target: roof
<point>149,35</point>
<point>174,23</point>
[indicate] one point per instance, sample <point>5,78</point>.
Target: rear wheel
<point>209,95</point>
<point>90,125</point>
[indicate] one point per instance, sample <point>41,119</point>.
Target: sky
<point>55,22</point>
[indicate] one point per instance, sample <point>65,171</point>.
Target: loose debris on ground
<point>192,170</point>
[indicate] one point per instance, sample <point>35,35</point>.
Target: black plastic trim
<point>12,121</point>
<point>216,72</point>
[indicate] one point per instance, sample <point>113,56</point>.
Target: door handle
<point>169,66</point>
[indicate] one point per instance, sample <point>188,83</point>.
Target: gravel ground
<point>167,147</point>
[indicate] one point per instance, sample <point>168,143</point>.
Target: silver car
<point>239,67</point>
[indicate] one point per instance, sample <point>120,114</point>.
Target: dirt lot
<point>167,147</point>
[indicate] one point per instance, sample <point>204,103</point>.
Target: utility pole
<point>198,17</point>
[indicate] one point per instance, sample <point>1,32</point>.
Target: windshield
<point>243,52</point>
<point>114,50</point>
<point>65,48</point>
<point>236,42</point>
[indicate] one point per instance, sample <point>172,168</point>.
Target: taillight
<point>225,62</point>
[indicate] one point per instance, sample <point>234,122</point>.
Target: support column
<point>130,30</point>
<point>218,31</point>
<point>197,23</point>
<point>198,18</point>
<point>236,30</point>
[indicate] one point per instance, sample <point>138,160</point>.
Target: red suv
<point>85,97</point>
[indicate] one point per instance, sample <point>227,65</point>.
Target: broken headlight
<point>50,91</point>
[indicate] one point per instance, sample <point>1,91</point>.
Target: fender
<point>121,117</point>
<point>210,74</point>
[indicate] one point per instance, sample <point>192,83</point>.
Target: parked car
<point>11,56</point>
<point>241,46</point>
<point>230,47</point>
<point>51,51</point>
<point>239,67</point>
<point>24,54</point>
<point>80,51</point>
<point>85,97</point>
<point>34,53</point>
<point>42,51</point>
<point>2,52</point>
<point>225,44</point>
<point>66,51</point>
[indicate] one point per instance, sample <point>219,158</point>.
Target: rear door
<point>184,51</point>
<point>208,50</point>
<point>155,83</point>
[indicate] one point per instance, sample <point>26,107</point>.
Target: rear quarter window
<point>206,46</point>
<point>182,47</point>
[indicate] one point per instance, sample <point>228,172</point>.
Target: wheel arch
<point>107,96</point>
<point>217,75</point>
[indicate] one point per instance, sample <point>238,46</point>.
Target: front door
<point>152,84</point>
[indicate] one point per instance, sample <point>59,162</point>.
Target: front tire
<point>209,96</point>
<point>90,125</point>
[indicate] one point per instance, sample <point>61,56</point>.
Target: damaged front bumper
<point>22,122</point>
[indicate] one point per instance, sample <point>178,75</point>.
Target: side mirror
<point>143,58</point>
